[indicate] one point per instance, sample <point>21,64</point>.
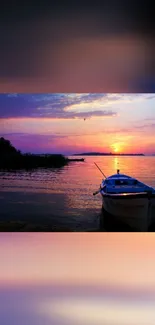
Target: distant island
<point>107,154</point>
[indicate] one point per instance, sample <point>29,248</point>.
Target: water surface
<point>64,197</point>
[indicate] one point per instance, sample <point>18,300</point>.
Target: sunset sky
<point>71,123</point>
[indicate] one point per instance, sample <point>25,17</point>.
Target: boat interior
<point>124,184</point>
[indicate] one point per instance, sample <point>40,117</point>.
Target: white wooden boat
<point>129,200</point>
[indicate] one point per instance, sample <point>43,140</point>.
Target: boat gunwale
<point>135,195</point>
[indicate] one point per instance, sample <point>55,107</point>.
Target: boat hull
<point>151,211</point>
<point>132,210</point>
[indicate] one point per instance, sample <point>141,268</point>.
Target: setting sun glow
<point>116,148</point>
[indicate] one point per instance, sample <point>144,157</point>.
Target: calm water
<point>64,198</point>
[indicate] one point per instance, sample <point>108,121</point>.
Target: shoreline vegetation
<point>13,159</point>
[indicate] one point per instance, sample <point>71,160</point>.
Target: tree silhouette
<point>6,147</point>
<point>12,159</point>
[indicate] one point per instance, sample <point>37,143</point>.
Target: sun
<point>116,147</point>
<point>116,150</point>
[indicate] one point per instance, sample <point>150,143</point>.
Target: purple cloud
<point>48,105</point>
<point>54,105</point>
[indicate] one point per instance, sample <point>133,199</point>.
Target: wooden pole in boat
<point>100,170</point>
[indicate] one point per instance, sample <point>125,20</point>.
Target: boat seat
<point>121,182</point>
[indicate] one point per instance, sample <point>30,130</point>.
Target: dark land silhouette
<point>107,154</point>
<point>13,159</point>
